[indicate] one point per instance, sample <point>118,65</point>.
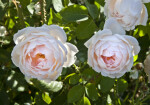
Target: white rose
<point>41,52</point>
<point>128,13</point>
<point>147,67</point>
<point>111,54</point>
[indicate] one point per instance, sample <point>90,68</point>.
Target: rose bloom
<point>111,54</point>
<point>42,52</point>
<point>128,13</point>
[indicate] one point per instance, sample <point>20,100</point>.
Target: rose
<point>111,54</point>
<point>128,13</point>
<point>41,52</point>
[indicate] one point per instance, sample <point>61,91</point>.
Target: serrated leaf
<point>53,86</point>
<point>106,84</point>
<point>74,79</point>
<point>74,12</point>
<point>58,6</point>
<point>91,91</point>
<point>75,93</point>
<point>86,29</point>
<point>84,101</point>
<point>122,85</point>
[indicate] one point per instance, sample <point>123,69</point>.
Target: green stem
<point>137,84</point>
<point>43,11</point>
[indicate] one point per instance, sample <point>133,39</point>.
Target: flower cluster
<point>42,52</point>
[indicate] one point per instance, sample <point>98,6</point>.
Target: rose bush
<point>111,54</point>
<point>41,52</point>
<point>128,13</point>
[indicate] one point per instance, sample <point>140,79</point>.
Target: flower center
<point>109,60</point>
<point>39,55</point>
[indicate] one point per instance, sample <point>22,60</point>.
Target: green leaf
<point>122,85</point>
<point>101,2</point>
<point>75,93</point>
<point>91,91</point>
<point>16,81</point>
<point>88,73</point>
<point>74,12</point>
<point>58,6</point>
<point>85,29</point>
<point>106,84</point>
<point>46,98</point>
<point>24,3</point>
<point>84,101</point>
<point>74,79</point>
<point>66,2</point>
<point>2,9</point>
<point>54,18</point>
<point>39,99</point>
<point>93,10</point>
<point>4,99</point>
<point>4,55</point>
<point>53,86</point>
<point>135,58</point>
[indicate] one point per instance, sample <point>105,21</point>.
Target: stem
<point>20,13</point>
<point>43,11</point>
<point>137,81</point>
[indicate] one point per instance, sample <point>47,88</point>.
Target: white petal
<point>71,58</point>
<point>22,34</point>
<point>144,16</point>
<point>114,26</point>
<point>56,32</point>
<point>134,43</point>
<point>100,34</point>
<point>15,55</point>
<point>145,1</point>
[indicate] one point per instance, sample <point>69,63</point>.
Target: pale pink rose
<point>42,52</point>
<point>128,13</point>
<point>111,54</point>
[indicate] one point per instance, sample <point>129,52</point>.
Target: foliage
<point>79,84</point>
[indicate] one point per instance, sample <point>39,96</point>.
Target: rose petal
<point>134,43</point>
<point>72,50</point>
<point>144,16</point>
<point>114,26</point>
<point>56,32</point>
